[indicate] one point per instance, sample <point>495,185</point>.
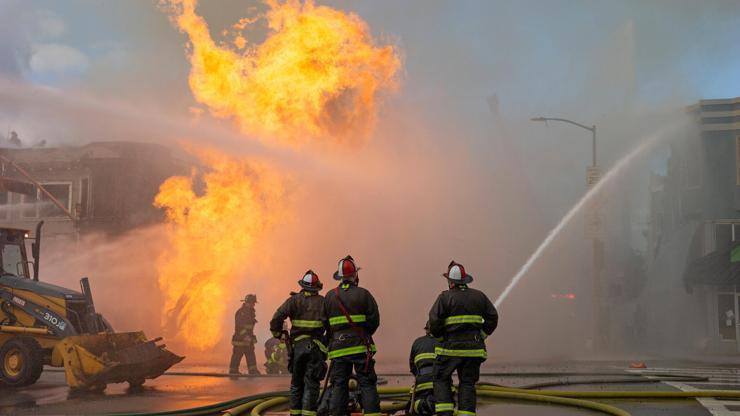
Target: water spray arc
<point>587,197</point>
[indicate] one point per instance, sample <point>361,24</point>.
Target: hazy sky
<point>534,54</point>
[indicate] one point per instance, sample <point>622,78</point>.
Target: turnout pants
<point>308,369</point>
<point>246,351</point>
<point>468,373</point>
<point>367,381</point>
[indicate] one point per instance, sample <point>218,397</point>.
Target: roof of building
<point>718,114</point>
<point>717,101</point>
<point>94,150</point>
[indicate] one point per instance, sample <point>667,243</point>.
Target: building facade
<point>694,225</point>
<point>104,187</point>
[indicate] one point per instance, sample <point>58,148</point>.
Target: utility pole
<point>600,330</point>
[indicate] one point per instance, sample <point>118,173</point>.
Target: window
<point>29,206</point>
<point>12,259</point>
<point>40,205</point>
<point>722,236</point>
<point>717,107</point>
<point>718,120</point>
<point>4,205</point>
<point>62,193</point>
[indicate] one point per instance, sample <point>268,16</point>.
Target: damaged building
<point>102,187</point>
<point>694,237</point>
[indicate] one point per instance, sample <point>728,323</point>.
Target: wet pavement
<point>50,396</point>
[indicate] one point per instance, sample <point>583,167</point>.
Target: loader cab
<point>13,258</point>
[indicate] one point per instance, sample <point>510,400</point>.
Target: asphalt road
<point>50,396</point>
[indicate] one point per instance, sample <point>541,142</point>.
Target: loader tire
<point>136,383</point>
<point>21,362</point>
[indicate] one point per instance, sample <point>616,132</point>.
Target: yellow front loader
<point>43,324</point>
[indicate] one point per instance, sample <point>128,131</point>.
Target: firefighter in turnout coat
<point>307,360</point>
<point>462,318</point>
<point>243,339</point>
<point>421,363</point>
<point>353,318</point>
<point>276,356</point>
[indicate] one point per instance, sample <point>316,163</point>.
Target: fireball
<point>317,76</point>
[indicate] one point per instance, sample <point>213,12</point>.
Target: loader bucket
<point>93,361</point>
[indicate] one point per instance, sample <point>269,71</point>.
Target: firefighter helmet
<point>310,281</point>
<point>346,269</point>
<point>250,298</point>
<point>456,274</point>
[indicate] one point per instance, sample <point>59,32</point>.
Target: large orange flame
<point>210,237</point>
<point>317,75</point>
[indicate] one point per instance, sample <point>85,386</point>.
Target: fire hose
<point>255,405</point>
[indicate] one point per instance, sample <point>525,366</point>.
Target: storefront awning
<point>719,268</point>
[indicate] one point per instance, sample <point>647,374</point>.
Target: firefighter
<point>243,339</point>
<point>421,363</point>
<point>307,360</point>
<point>462,317</point>
<point>276,356</point>
<point>353,318</point>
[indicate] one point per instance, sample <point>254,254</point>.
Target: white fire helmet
<point>456,274</point>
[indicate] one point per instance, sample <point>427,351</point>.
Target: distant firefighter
<point>244,339</point>
<point>308,353</point>
<point>462,317</point>
<point>421,363</point>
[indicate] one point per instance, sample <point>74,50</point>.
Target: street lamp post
<point>592,176</point>
<point>592,129</point>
